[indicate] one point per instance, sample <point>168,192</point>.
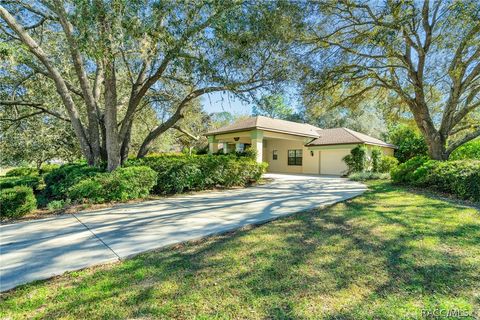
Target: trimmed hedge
<point>22,171</point>
<point>198,172</point>
<point>60,180</point>
<point>119,185</point>
<point>460,178</point>
<point>14,181</point>
<point>16,202</point>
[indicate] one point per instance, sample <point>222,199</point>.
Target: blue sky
<point>223,101</point>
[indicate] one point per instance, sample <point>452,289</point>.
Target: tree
<point>164,54</point>
<point>427,54</point>
<point>272,106</point>
<point>37,139</point>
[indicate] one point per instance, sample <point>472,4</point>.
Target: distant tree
<point>273,106</point>
<point>425,54</point>
<point>35,140</point>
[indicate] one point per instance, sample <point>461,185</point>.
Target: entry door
<point>331,161</point>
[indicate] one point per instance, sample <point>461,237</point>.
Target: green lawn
<point>386,254</point>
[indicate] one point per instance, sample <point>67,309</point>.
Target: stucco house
<point>291,147</point>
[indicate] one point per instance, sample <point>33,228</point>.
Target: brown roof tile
<point>345,136</point>
<point>269,124</point>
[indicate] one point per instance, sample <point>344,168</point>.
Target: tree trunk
<point>125,148</point>
<point>437,147</point>
<point>111,126</point>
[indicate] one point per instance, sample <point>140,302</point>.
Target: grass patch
<point>387,254</point>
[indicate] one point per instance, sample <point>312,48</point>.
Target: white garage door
<point>331,161</point>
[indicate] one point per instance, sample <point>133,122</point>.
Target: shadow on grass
<point>386,254</point>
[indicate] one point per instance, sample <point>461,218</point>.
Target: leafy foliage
<point>403,173</point>
<point>273,106</point>
<point>59,180</point>
<point>387,164</point>
<point>409,141</point>
<point>376,158</point>
<point>16,202</point>
<point>470,150</point>
<point>22,171</point>
<point>183,173</point>
<point>10,182</point>
<point>458,177</point>
<point>357,159</point>
<point>119,185</point>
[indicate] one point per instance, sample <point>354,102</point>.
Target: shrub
<point>21,172</point>
<point>59,180</point>
<point>16,202</point>
<point>47,168</point>
<point>357,159</point>
<point>119,185</point>
<point>13,181</point>
<point>404,172</point>
<point>58,204</point>
<point>198,172</point>
<point>460,178</point>
<point>376,158</point>
<point>363,176</point>
<point>469,150</point>
<point>387,164</point>
<point>410,143</point>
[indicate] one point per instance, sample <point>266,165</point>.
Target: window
<point>295,157</point>
<point>275,154</point>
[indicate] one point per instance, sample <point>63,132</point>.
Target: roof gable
<point>269,124</point>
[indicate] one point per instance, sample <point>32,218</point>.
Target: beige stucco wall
<point>309,162</point>
<point>325,159</point>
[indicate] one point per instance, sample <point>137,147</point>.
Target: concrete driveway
<point>44,248</point>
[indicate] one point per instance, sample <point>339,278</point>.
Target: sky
<point>223,101</point>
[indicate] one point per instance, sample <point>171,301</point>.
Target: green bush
<point>58,204</point>
<point>13,181</point>
<point>376,158</point>
<point>410,143</point>
<point>47,168</point>
<point>21,172</point>
<point>59,180</point>
<point>119,185</point>
<point>469,150</point>
<point>363,176</point>
<point>387,164</point>
<point>356,161</point>
<point>198,172</point>
<point>16,202</point>
<point>460,178</point>
<point>404,172</point>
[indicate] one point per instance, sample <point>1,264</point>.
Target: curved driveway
<point>44,248</point>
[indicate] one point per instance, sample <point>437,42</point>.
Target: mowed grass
<point>387,254</point>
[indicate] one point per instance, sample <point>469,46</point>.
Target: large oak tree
<point>425,53</point>
<point>108,59</point>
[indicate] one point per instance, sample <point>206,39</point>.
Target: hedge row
<point>198,172</point>
<point>119,185</point>
<point>460,178</point>
<point>16,201</point>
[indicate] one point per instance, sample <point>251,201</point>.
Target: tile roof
<point>345,136</point>
<point>322,136</point>
<point>269,124</point>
